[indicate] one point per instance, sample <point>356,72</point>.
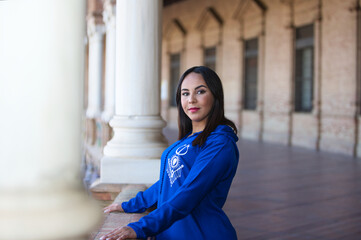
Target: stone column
<point>95,35</point>
<point>41,84</point>
<point>109,93</point>
<point>109,99</point>
<point>96,32</point>
<point>132,155</point>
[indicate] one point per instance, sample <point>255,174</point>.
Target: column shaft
<point>138,57</point>
<point>109,98</point>
<point>96,36</point>
<point>41,60</point>
<point>132,156</point>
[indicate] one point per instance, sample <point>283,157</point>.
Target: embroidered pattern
<point>174,164</point>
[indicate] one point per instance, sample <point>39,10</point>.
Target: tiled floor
<point>283,193</point>
<point>294,193</point>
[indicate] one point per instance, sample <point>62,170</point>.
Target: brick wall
<point>331,125</point>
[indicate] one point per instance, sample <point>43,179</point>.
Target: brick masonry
<point>332,125</point>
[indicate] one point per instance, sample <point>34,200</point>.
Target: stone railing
<point>117,219</point>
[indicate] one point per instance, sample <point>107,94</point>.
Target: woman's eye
<point>185,94</point>
<point>201,91</point>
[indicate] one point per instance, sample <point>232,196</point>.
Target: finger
<point>124,233</point>
<point>124,238</point>
<point>111,208</point>
<point>116,236</point>
<point>121,238</point>
<point>116,232</point>
<point>110,234</point>
<point>108,209</point>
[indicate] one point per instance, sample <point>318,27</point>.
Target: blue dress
<point>191,191</point>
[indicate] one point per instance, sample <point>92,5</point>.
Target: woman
<point>196,171</point>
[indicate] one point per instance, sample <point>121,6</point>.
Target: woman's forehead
<point>193,80</point>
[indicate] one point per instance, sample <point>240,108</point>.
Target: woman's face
<point>196,98</point>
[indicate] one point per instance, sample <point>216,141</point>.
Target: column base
<point>107,116</point>
<point>129,171</point>
<point>136,137</point>
<point>47,215</point>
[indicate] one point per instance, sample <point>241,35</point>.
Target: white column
<point>109,20</point>
<point>95,36</point>
<point>41,83</point>
<point>132,155</point>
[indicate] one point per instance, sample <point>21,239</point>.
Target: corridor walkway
<point>284,193</point>
<point>294,193</point>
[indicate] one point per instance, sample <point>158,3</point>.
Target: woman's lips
<point>193,110</point>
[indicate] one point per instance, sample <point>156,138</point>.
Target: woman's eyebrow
<point>185,89</point>
<point>200,87</point>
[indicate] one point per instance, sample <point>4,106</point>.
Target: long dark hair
<point>216,115</point>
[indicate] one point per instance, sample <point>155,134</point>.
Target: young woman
<point>196,171</point>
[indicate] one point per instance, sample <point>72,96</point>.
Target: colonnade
<point>131,90</point>
<point>41,93</point>
<point>42,59</point>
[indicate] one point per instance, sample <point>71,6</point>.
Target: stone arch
<point>210,25</point>
<point>175,34</point>
<point>251,14</point>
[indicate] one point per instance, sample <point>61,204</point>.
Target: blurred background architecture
<point>290,70</point>
<point>41,72</point>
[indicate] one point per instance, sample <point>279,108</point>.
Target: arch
<point>209,15</point>
<point>175,26</point>
<point>245,5</point>
<point>210,26</point>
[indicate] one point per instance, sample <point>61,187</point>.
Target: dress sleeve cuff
<point>125,207</point>
<point>138,231</point>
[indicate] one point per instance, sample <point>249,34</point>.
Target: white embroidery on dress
<point>174,164</point>
<point>182,150</point>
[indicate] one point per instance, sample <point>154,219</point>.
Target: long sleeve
<point>215,163</point>
<point>142,200</point>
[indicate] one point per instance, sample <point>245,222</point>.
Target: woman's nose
<point>192,98</point>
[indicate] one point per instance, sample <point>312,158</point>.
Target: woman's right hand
<point>113,207</point>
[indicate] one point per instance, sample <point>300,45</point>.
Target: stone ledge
<point>117,219</point>
<point>97,186</point>
<point>105,192</point>
<point>114,220</point>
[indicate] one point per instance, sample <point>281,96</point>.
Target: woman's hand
<point>113,207</point>
<point>120,233</point>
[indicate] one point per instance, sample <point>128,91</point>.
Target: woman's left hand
<point>120,233</point>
